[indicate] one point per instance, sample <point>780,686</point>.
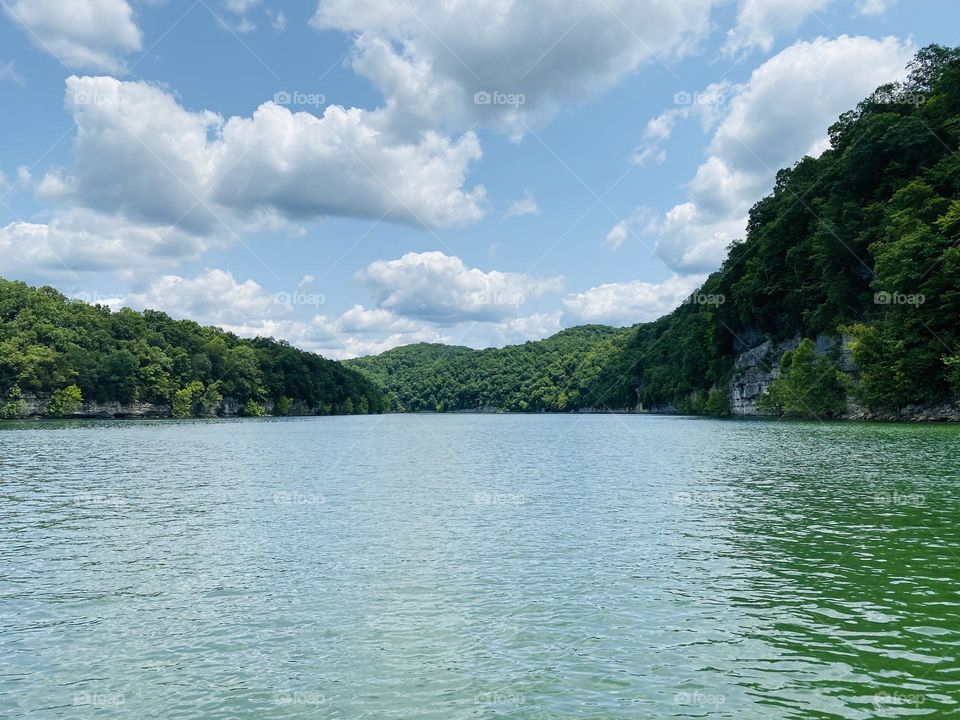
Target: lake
<point>479,566</point>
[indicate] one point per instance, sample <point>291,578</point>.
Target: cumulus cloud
<point>440,288</point>
<point>780,114</point>
<point>527,205</point>
<point>431,59</point>
<point>82,34</point>
<point>212,297</point>
<point>247,309</point>
<point>81,241</point>
<point>141,154</point>
<point>759,21</point>
<point>628,303</point>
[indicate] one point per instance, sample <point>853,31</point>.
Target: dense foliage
<point>71,352</point>
<point>863,240</point>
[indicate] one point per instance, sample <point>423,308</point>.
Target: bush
<point>284,406</point>
<point>253,409</point>
<point>809,386</point>
<point>13,405</point>
<point>65,401</point>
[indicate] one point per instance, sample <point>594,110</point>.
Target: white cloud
<point>9,73</point>
<point>82,34</point>
<point>400,316</point>
<point>141,154</point>
<point>242,25</point>
<point>875,7</point>
<point>523,329</point>
<point>527,205</point>
<point>440,288</point>
<point>430,59</point>
<point>618,233</point>
<point>213,297</point>
<point>628,303</point>
<point>707,106</point>
<point>278,20</point>
<point>81,241</point>
<point>641,221</point>
<point>759,22</point>
<point>240,6</point>
<point>780,114</point>
<point>245,308</point>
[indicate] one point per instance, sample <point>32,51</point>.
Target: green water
<point>475,566</point>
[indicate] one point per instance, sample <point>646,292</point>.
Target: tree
<point>65,401</point>
<point>13,404</point>
<point>808,386</point>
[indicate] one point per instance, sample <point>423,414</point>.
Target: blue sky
<point>328,171</point>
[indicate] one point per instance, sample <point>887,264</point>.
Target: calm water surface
<point>471,566</point>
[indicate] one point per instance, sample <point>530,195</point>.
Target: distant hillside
<point>60,355</point>
<point>862,242</point>
<point>547,375</point>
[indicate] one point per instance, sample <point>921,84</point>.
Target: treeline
<point>863,241</point>
<point>68,352</point>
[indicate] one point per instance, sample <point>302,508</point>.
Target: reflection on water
<point>479,567</point>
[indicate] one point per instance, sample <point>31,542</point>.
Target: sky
<point>355,175</point>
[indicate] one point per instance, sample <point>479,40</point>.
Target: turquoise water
<point>476,566</point>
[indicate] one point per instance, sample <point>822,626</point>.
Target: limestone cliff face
<point>755,368</point>
<point>36,407</point>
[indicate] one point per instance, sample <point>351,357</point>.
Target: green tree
<point>185,400</point>
<point>13,404</point>
<point>808,386</point>
<point>65,401</point>
<point>283,406</point>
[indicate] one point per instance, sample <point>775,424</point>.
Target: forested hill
<point>66,353</point>
<point>551,374</point>
<point>863,241</point>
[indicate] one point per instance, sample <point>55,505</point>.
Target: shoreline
<point>862,417</point>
